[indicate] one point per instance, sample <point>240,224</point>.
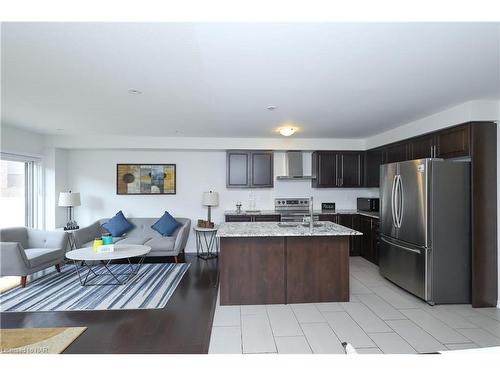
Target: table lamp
<point>210,199</point>
<point>69,200</point>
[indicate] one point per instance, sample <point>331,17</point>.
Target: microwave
<point>368,204</point>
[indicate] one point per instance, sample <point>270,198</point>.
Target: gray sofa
<point>24,251</point>
<point>141,234</point>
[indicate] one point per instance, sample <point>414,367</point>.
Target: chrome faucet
<point>311,215</point>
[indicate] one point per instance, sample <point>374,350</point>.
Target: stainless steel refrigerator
<point>425,241</point>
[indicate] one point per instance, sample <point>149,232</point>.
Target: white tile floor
<point>381,318</point>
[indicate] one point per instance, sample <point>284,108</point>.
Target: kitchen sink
<point>294,225</point>
<point>288,225</point>
<point>315,225</point>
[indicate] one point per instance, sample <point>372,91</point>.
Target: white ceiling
<point>331,80</point>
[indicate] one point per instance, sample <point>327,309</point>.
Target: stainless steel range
<point>293,209</point>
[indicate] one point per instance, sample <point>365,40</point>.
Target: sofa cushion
<point>166,225</point>
<point>133,240</point>
<point>38,256</point>
<point>161,244</point>
<point>118,225</point>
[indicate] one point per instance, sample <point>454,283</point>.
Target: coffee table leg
<point>112,274</point>
<point>106,270</point>
<point>90,270</point>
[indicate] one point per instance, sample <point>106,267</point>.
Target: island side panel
<point>317,269</point>
<point>252,270</point>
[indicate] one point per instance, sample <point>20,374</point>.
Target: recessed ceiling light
<point>271,107</point>
<point>134,92</point>
<point>287,131</point>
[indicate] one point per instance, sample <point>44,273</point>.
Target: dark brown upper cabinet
<point>422,147</point>
<point>337,169</point>
<point>373,160</point>
<point>396,152</point>
<point>262,169</point>
<point>237,169</point>
<point>324,167</point>
<point>249,169</point>
<point>350,169</point>
<point>454,142</point>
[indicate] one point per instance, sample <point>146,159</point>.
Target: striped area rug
<point>151,288</point>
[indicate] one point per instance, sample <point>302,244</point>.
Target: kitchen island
<point>277,263</point>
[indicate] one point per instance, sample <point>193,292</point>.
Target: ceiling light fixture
<point>134,92</point>
<point>271,107</point>
<point>287,131</point>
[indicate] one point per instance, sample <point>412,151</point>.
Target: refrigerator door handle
<point>400,246</point>
<point>393,202</point>
<point>401,199</point>
<point>396,199</point>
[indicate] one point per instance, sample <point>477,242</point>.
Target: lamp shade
<point>210,198</point>
<point>69,199</point>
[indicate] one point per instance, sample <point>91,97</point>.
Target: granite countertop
<point>272,229</point>
<point>353,211</point>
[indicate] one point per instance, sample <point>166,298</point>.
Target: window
<point>19,191</point>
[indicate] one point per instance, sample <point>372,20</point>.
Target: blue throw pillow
<point>118,225</point>
<point>166,225</point>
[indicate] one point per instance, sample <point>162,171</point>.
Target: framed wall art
<point>145,179</point>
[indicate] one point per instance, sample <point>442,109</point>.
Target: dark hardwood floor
<point>183,326</point>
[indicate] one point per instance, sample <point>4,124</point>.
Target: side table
<point>71,239</point>
<point>206,242</point>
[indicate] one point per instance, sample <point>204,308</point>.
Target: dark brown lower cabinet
<point>370,238</point>
<point>252,270</point>
<point>329,217</point>
<point>366,245</point>
<point>278,270</point>
<point>347,220</point>
<point>249,218</point>
<point>272,218</point>
<point>238,218</point>
<point>317,269</point>
<point>356,241</point>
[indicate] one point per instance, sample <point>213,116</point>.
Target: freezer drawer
<point>404,265</point>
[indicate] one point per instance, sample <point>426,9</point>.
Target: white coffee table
<point>87,258</point>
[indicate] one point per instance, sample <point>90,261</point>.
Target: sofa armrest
<point>86,234</point>
<point>55,239</point>
<point>13,261</point>
<point>182,237</point>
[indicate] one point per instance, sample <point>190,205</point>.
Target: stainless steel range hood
<point>294,167</point>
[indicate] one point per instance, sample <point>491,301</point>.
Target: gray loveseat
<point>141,234</point>
<point>24,251</point>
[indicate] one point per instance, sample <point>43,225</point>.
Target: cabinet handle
<point>359,170</point>
<point>342,161</point>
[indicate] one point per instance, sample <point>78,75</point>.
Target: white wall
<point>21,142</point>
<point>93,174</point>
<point>55,163</point>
